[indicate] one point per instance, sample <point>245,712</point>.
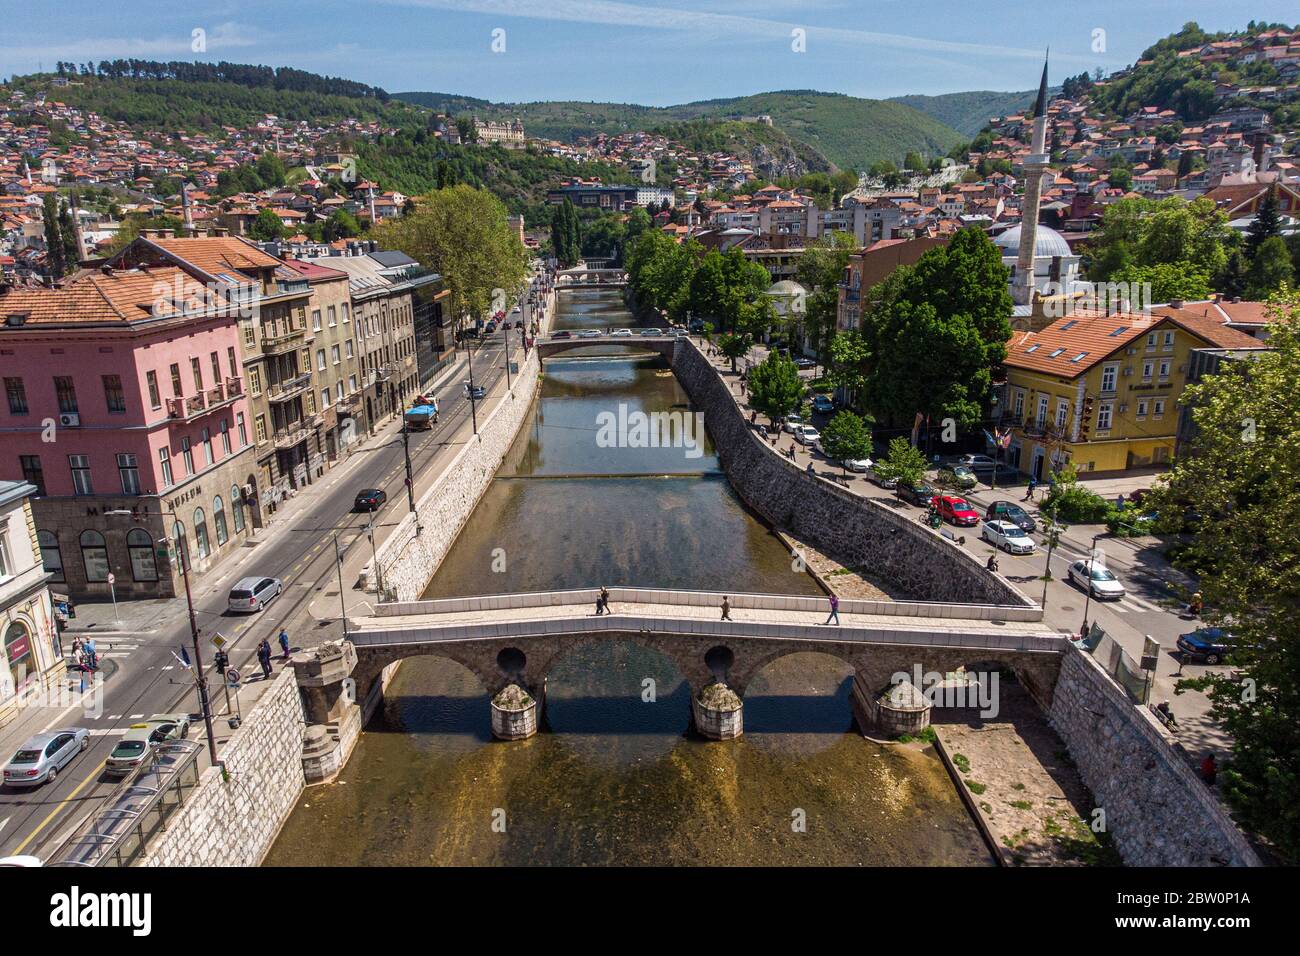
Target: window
<point>1062,413</point>
<point>6,560</point>
<point>1147,368</point>
<point>255,380</point>
<point>1042,410</point>
<point>1103,416</point>
<point>165,465</point>
<point>259,428</point>
<point>139,547</point>
<point>1108,375</point>
<point>333,316</point>
<point>1142,409</point>
<point>155,397</point>
<point>66,393</point>
<point>334,355</point>
<point>338,391</point>
<point>1164,369</point>
<point>207,445</point>
<point>219,521</point>
<point>1151,340</point>
<point>114,397</point>
<point>216,369</point>
<point>309,403</point>
<point>196,368</point>
<point>232,362</point>
<point>1020,403</point>
<point>201,533</point>
<point>237,508</point>
<point>94,555</point>
<point>129,471</point>
<point>17,396</point>
<point>225,436</point>
<point>51,558</point>
<point>1169,340</point>
<point>320,359</point>
<point>250,335</point>
<point>243,431</point>
<point>352,383</point>
<point>188,455</point>
<point>80,465</point>
<point>175,371</point>
<point>347,316</point>
<point>18,649</point>
<point>32,473</point>
<point>315,320</point>
<point>324,398</point>
<point>348,350</point>
<point>1159,410</point>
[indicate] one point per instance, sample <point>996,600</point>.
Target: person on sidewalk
<point>91,657</point>
<point>992,564</point>
<point>604,599</point>
<point>284,642</point>
<point>264,658</point>
<point>726,609</point>
<point>835,611</point>
<point>1029,491</point>
<point>600,605</point>
<point>1209,770</point>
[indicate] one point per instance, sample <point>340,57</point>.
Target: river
<point>615,778</point>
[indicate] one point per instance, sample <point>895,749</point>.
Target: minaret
<point>1036,164</point>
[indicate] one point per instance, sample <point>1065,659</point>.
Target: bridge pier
<point>898,709</point>
<point>516,713</point>
<point>718,712</point>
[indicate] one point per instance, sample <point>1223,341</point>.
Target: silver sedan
<point>41,758</point>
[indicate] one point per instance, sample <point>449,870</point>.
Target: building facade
<point>32,653</point>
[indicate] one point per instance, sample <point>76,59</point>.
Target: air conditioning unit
<point>1123,408</point>
<point>70,420</point>
<point>1128,371</point>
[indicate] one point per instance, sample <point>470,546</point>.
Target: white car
<point>589,334</point>
<point>254,593</point>
<point>977,462</point>
<point>622,333</point>
<point>1096,578</point>
<point>792,422</point>
<point>806,435</point>
<point>1009,537</point>
<point>857,464</point>
<point>873,475</point>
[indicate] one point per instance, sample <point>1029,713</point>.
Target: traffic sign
<point>112,578</point>
<point>232,677</point>
<point>218,641</point>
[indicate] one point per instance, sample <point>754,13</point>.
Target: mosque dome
<point>1047,243</point>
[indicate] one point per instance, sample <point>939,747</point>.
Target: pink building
<point>124,391</point>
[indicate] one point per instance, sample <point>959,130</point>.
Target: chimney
<point>1175,303</point>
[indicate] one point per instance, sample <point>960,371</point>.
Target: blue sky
<point>656,52</point>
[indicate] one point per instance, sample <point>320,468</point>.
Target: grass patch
<point>926,736</point>
<point>1078,841</point>
<point>985,807</point>
<point>1017,786</point>
<point>1022,804</point>
<point>961,762</point>
<point>975,788</point>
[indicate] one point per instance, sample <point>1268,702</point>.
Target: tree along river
<point>616,778</point>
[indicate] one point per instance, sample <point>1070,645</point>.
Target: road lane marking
<point>58,807</point>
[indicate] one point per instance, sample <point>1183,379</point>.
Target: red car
<point>956,510</point>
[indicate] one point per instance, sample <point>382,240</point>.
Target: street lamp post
<point>1053,534</point>
<point>1087,600</point>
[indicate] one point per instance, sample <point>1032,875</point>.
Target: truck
<point>422,413</point>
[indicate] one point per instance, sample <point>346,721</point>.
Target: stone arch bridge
<point>515,639</point>
<point>589,278</point>
<point>665,345</point>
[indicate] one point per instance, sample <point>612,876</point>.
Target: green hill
<point>968,112</point>
<point>847,130</point>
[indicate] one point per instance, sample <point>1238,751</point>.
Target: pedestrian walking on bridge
<point>726,609</point>
<point>604,599</point>
<point>835,611</point>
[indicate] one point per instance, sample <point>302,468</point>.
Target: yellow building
<point>1102,391</point>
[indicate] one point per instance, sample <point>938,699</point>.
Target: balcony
<point>204,403</point>
<point>286,438</point>
<point>283,341</point>
<point>289,388</point>
<point>234,387</point>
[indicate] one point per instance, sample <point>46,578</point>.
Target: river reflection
<point>616,777</point>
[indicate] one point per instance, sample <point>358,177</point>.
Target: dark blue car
<point>1205,645</point>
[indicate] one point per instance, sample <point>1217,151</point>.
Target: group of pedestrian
<point>84,655</point>
<point>602,601</point>
<point>264,653</point>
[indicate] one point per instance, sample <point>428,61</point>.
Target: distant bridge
<point>665,345</point>
<point>589,278</point>
<point>516,638</point>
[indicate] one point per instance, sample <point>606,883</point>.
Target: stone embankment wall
<point>409,561</point>
<point>858,531</point>
<point>1157,810</point>
<point>234,822</point>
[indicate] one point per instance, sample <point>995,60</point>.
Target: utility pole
<point>507,358</point>
<point>410,481</point>
<point>199,677</point>
<point>473,402</point>
<point>338,565</point>
<point>1053,535</point>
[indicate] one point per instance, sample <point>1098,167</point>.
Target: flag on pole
<point>183,658</point>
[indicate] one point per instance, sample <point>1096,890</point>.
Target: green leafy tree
<point>56,258</point>
<point>821,267</point>
<point>1266,224</point>
<point>462,233</point>
<point>1241,478</point>
<point>846,436</point>
<point>659,271</point>
<point>341,224</point>
<point>1270,269</point>
<point>266,226</point>
<point>1151,232</point>
<point>903,463</point>
<point>734,345</point>
<point>775,388</point>
<point>1168,281</point>
<point>708,295</point>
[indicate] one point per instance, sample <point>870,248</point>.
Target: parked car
<point>959,476</point>
<point>1010,511</point>
<point>370,499</point>
<point>40,759</point>
<point>475,392</point>
<point>1009,537</point>
<point>806,435</point>
<point>622,333</point>
<point>589,334</point>
<point>857,464</point>
<point>823,404</point>
<point>142,738</point>
<point>791,422</point>
<point>1205,645</point>
<point>918,494</point>
<point>652,331</point>
<point>678,331</point>
<point>803,362</point>
<point>977,462</point>
<point>874,476</point>
<point>1003,475</point>
<point>1096,578</point>
<point>955,510</point>
<point>490,327</point>
<point>253,593</point>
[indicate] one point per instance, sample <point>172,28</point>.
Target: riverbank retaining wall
<point>234,821</point>
<point>857,531</point>
<point>1158,812</point>
<point>408,560</point>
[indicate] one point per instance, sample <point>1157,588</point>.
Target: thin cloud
<point>222,37</point>
<point>614,13</point>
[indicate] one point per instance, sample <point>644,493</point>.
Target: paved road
<point>146,677</point>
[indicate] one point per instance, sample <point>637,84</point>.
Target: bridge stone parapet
<point>858,531</point>
<point>664,345</point>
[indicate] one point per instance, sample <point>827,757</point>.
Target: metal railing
<point>119,832</point>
